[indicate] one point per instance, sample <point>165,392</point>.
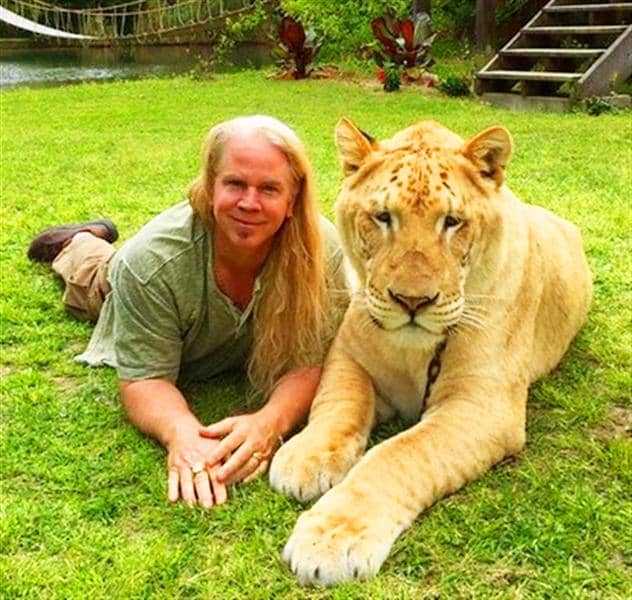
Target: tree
<point>484,26</point>
<point>421,6</point>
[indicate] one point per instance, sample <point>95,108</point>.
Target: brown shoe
<point>48,244</point>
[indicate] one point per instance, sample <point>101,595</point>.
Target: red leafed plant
<point>403,42</point>
<point>296,49</point>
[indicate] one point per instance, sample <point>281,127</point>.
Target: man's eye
<point>451,221</point>
<point>383,217</point>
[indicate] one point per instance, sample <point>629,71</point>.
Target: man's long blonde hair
<point>290,317</point>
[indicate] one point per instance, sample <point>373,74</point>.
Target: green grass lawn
<point>84,510</point>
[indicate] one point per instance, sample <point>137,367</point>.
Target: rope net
<point>138,19</point>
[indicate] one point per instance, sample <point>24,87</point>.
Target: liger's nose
<point>413,303</point>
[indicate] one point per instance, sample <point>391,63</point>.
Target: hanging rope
<point>110,22</point>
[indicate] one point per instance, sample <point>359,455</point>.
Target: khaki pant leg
<point>83,266</point>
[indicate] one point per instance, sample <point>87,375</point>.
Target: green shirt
<point>165,316</point>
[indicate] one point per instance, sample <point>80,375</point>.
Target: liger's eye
<point>451,221</point>
<point>383,217</point>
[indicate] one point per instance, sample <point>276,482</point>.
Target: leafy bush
<point>296,48</point>
<point>344,23</point>
<point>404,42</point>
<point>456,86</point>
<point>224,38</point>
<point>598,105</point>
<point>392,77</point>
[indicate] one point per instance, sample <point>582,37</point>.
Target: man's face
<point>253,193</point>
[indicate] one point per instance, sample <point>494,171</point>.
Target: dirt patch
<point>325,72</point>
<point>66,384</point>
<point>372,83</point>
<point>75,347</point>
<point>504,576</point>
<point>6,370</point>
<point>617,425</point>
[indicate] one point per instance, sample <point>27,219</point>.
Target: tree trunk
<point>421,6</point>
<point>485,24</point>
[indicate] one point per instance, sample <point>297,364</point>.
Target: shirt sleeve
<point>147,335</point>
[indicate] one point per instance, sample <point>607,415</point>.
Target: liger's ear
<point>353,145</point>
<point>490,151</point>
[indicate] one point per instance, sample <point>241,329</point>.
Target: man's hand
<point>190,476</point>
<point>158,408</point>
<point>245,443</point>
<point>248,443</point>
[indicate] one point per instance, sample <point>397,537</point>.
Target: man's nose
<point>250,199</point>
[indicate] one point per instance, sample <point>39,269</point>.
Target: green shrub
<point>404,42</point>
<point>598,105</point>
<point>456,86</point>
<point>392,77</point>
<point>345,24</point>
<point>296,49</point>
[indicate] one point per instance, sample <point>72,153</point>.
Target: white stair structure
<point>571,49</point>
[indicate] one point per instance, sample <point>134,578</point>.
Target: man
<point>246,273</point>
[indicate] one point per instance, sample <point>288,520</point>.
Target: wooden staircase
<point>571,49</point>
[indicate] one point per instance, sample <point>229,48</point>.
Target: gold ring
<point>197,467</point>
<point>257,456</point>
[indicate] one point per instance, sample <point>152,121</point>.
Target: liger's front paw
<point>304,467</point>
<point>327,548</point>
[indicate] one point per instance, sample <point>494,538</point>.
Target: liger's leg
<point>340,421</point>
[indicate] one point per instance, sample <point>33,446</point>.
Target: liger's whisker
<point>473,324</point>
<point>476,315</point>
<point>477,307</point>
<point>474,305</point>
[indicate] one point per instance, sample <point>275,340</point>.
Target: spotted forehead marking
<point>417,179</point>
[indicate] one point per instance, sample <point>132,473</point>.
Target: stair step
<point>588,7</point>
<point>552,52</point>
<point>578,29</point>
<point>530,75</point>
<point>606,44</point>
<point>520,102</point>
